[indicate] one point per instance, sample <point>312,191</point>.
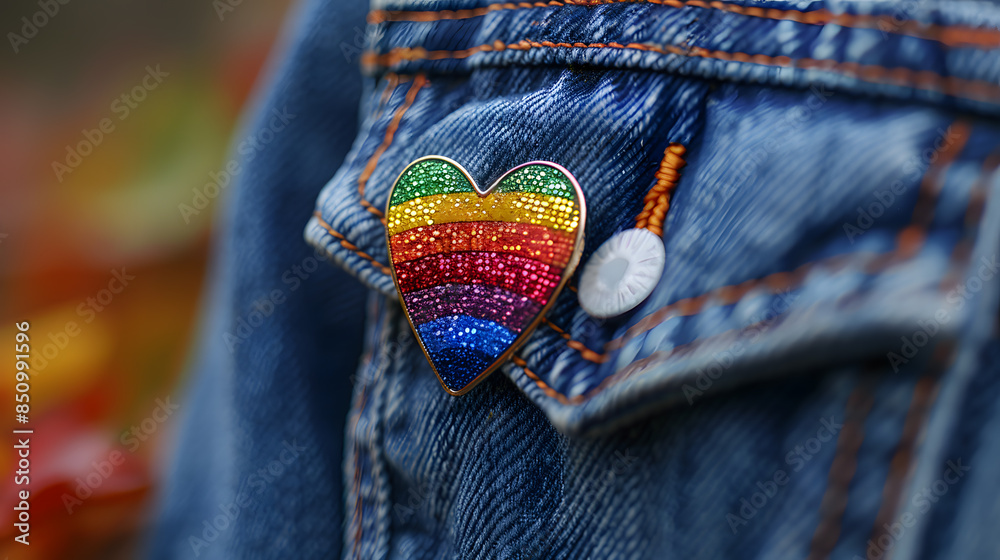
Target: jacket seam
<point>390,133</point>
<point>923,80</point>
<point>585,352</point>
<point>350,246</point>
<point>924,394</point>
<point>949,35</point>
<point>842,469</point>
<point>624,373</point>
<point>926,391</point>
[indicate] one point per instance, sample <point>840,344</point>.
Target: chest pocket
<point>804,225</point>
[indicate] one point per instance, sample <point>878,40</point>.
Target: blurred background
<point>112,114</point>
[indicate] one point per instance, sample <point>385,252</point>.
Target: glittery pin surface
<point>476,270</point>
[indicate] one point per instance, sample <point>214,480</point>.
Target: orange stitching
<point>924,394</point>
<point>912,237</point>
<point>921,80</point>
<point>845,463</point>
<point>350,246</point>
<point>392,81</point>
<point>538,381</point>
<point>951,36</point>
<point>626,372</point>
<point>657,200</point>
<point>585,352</point>
<point>390,133</point>
<point>973,215</point>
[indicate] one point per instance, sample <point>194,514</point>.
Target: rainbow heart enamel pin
<point>476,270</point>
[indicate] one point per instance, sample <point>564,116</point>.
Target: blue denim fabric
<point>260,446</point>
<point>815,371</point>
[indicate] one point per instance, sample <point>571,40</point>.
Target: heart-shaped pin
<point>477,269</point>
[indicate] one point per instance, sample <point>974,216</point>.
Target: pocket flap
<point>807,225</point>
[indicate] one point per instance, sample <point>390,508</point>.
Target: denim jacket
<point>815,374</point>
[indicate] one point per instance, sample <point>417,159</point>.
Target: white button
<point>621,273</point>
